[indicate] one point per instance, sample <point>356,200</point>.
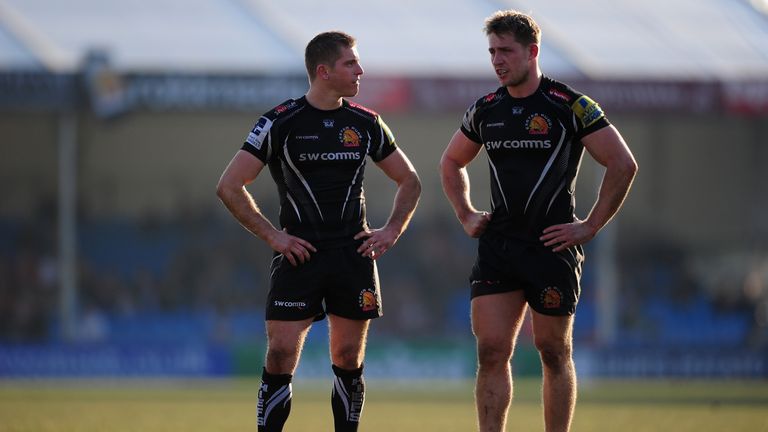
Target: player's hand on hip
<point>296,250</point>
<point>561,237</point>
<point>476,222</point>
<point>377,241</point>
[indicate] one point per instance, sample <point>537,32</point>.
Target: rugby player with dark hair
<point>534,130</point>
<point>316,148</point>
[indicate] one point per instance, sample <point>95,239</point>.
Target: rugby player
<point>534,130</point>
<point>316,148</point>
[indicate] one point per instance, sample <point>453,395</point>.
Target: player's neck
<point>526,88</point>
<point>323,99</point>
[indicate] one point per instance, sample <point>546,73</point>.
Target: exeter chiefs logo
<point>350,136</point>
<point>367,300</point>
<point>551,298</point>
<point>538,124</point>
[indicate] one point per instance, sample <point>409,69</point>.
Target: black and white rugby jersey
<point>534,151</point>
<point>317,159</point>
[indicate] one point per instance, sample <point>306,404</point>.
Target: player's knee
<point>347,357</point>
<point>281,359</point>
<point>493,353</point>
<point>554,355</point>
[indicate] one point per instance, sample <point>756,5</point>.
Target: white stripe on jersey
<point>498,182</point>
<point>554,195</point>
<point>293,203</point>
<point>357,172</point>
<point>547,166</point>
<point>300,177</point>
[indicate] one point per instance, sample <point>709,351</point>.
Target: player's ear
<point>533,51</point>
<point>322,71</point>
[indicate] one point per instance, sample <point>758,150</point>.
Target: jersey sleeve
<point>589,114</point>
<point>383,141</point>
<point>259,140</point>
<point>469,124</point>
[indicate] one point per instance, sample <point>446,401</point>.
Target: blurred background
<point>117,118</point>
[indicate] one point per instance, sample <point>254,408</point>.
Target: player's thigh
<point>497,318</point>
<point>287,336</point>
<point>347,339</point>
<point>552,333</point>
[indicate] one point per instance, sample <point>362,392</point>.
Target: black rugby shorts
<point>550,280</point>
<point>337,280</point>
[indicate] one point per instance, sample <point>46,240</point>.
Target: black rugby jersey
<point>534,152</point>
<point>317,159</point>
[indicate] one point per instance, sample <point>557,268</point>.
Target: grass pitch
<point>229,405</point>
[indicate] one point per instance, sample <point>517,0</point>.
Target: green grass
<point>229,405</point>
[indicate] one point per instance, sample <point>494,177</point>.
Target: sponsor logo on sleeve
<point>259,132</point>
<point>587,110</point>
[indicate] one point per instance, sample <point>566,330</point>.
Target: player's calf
<point>347,398</point>
<point>274,402</point>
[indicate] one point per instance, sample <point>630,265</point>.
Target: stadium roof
<point>595,39</point>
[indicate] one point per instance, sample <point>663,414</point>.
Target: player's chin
<point>353,90</point>
<point>506,82</point>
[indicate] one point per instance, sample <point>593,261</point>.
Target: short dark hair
<point>325,48</point>
<point>521,26</point>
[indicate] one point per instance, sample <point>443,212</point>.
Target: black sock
<point>274,402</point>
<point>347,398</point>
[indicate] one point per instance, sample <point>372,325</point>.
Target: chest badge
<point>538,124</point>
<point>350,136</point>
<point>328,123</point>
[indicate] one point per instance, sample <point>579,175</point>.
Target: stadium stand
<point>181,81</point>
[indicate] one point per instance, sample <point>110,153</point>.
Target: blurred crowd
<point>205,265</point>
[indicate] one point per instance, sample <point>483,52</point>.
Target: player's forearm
<point>455,182</point>
<point>613,190</point>
<point>242,206</point>
<point>405,202</point>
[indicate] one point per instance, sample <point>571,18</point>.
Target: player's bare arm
<point>241,171</point>
<point>608,148</point>
<point>398,168</point>
<point>453,174</point>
